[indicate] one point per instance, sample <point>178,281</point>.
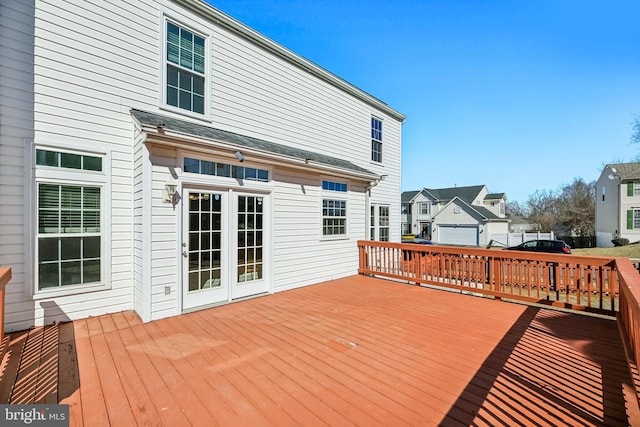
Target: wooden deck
<point>355,351</point>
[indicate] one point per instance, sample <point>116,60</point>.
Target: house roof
<point>494,196</point>
<point>468,194</point>
<point>407,196</point>
<point>482,211</point>
<point>625,171</point>
<point>171,124</point>
<point>214,15</point>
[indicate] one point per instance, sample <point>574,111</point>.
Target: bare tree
<point>516,209</point>
<point>576,208</point>
<point>635,129</point>
<point>542,209</point>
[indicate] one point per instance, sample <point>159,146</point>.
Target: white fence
<point>513,239</point>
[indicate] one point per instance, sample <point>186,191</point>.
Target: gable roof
<point>407,196</point>
<point>185,128</point>
<point>468,194</point>
<point>625,171</point>
<point>480,210</point>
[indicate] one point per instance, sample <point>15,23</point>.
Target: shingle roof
<point>468,194</point>
<point>494,196</point>
<point>626,170</point>
<point>199,130</point>
<point>407,196</point>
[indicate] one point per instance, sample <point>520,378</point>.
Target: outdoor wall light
<point>169,192</point>
<point>239,156</point>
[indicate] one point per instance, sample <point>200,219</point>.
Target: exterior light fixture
<point>239,156</point>
<point>169,192</point>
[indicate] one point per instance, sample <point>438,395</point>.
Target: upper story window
<point>185,69</point>
<point>404,209</point>
<point>424,208</point>
<point>376,140</point>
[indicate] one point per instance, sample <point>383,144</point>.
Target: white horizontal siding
<point>16,132</point>
<point>301,256</point>
<point>92,61</point>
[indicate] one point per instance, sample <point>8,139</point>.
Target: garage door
<point>458,235</point>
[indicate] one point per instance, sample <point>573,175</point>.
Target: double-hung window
<point>70,230</point>
<point>379,223</point>
<point>185,69</point>
<point>334,208</point>
<point>425,208</point>
<point>376,140</point>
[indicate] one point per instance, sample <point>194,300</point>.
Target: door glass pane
<point>249,253</point>
<point>204,243</point>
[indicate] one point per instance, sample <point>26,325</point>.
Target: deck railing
<point>569,281</point>
<point>602,285</point>
<point>5,276</point>
<point>629,315</point>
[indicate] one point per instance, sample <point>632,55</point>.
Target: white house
<point>466,216</point>
<point>167,158</point>
<point>618,203</point>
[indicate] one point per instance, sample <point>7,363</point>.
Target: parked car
<point>552,246</point>
<point>412,238</point>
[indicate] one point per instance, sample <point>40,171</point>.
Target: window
<point>633,219</point>
<point>372,223</point>
<point>404,210</point>
<point>68,235</point>
<point>334,209</point>
<point>204,167</point>
<point>334,217</point>
<point>502,208</point>
<point>334,186</point>
<point>68,160</point>
<point>376,140</point>
<point>379,223</point>
<point>406,228</point>
<point>70,232</point>
<point>185,69</point>
<point>383,222</point>
<point>425,208</point>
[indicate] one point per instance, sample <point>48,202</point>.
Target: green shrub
<point>620,241</point>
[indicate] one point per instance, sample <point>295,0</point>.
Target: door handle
<point>184,254</point>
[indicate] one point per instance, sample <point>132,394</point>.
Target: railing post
<point>5,276</point>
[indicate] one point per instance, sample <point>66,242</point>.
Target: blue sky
<point>520,95</point>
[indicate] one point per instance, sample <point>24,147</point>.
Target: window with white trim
<point>334,208</point>
<point>184,69</point>
<point>70,231</point>
<point>383,223</point>
<point>424,208</point>
<point>379,223</point>
<point>376,140</point>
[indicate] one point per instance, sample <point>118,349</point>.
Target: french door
<point>223,247</point>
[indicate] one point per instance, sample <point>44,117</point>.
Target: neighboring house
<point>455,216</point>
<point>618,203</point>
<point>167,158</point>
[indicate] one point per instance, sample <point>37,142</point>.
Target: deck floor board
<point>354,351</point>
